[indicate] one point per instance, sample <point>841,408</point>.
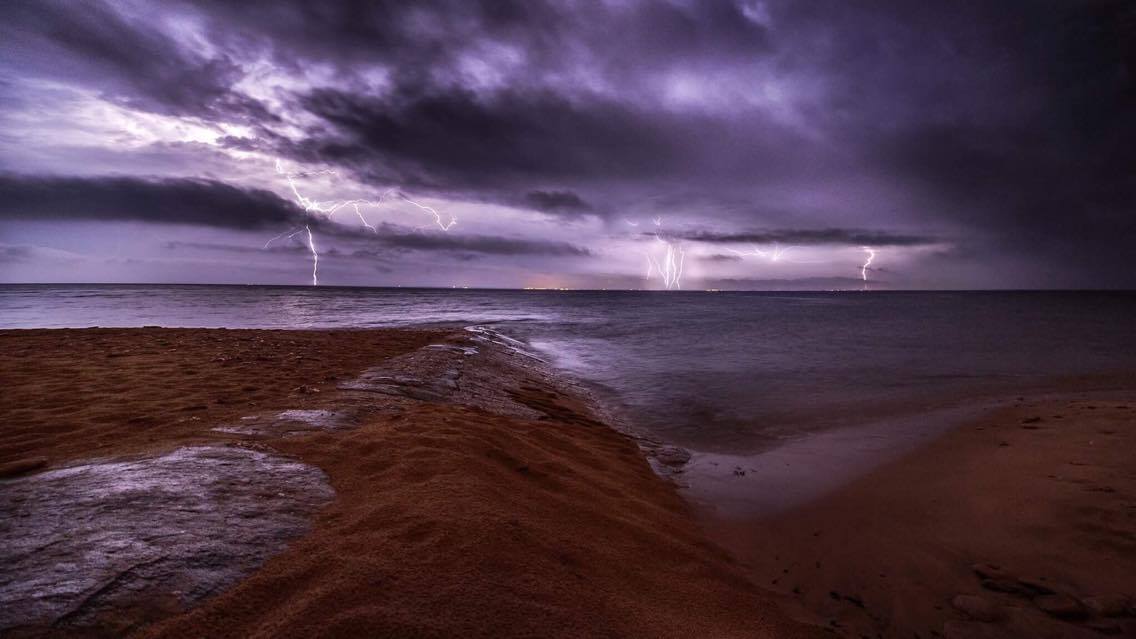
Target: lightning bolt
<point>773,256</point>
<point>315,256</point>
<point>867,263</point>
<point>329,208</point>
<point>311,247</point>
<point>670,266</point>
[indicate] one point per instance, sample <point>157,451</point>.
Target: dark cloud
<point>483,100</point>
<point>279,247</point>
<point>160,201</point>
<point>459,143</point>
<point>1015,122</point>
<point>720,257</point>
<point>560,202</point>
<point>458,139</point>
<point>127,59</point>
<point>392,237</point>
<point>1007,127</point>
<point>429,41</point>
<point>810,237</point>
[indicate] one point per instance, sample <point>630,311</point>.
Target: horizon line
<point>397,287</point>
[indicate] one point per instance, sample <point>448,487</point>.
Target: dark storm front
<point>712,371</point>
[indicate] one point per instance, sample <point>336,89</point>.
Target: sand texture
<point>473,496</point>
<point>1021,523</point>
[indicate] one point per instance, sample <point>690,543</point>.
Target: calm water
<point>727,372</point>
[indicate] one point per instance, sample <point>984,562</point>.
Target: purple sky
<point>764,144</point>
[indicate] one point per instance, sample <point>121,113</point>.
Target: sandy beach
<point>457,491</point>
<point>1018,523</point>
<point>197,482</point>
<point>568,319</point>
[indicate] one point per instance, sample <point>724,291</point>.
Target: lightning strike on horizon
<point>330,208</point>
<point>670,266</point>
<point>867,263</point>
<point>315,256</point>
<point>311,247</point>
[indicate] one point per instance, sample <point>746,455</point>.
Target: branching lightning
<point>331,207</point>
<point>328,209</point>
<point>311,247</point>
<point>774,255</point>
<point>669,267</point>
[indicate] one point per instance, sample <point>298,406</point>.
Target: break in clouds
<point>969,144</point>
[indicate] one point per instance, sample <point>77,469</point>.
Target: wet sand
<point>1020,522</point>
<point>473,496</point>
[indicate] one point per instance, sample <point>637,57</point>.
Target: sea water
<point>723,372</point>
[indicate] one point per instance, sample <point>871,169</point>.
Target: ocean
<point>716,372</point>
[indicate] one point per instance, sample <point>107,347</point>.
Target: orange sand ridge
<point>449,519</point>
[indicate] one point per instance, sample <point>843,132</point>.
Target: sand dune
<point>498,507</point>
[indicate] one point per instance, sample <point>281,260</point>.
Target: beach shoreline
<point>472,494</point>
<point>1018,520</point>
<point>509,494</point>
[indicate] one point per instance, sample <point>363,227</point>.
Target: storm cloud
<point>394,237</point>
<point>482,244</point>
<point>811,237</point>
<point>997,134</point>
<point>124,58</point>
<point>560,202</point>
<point>162,201</point>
